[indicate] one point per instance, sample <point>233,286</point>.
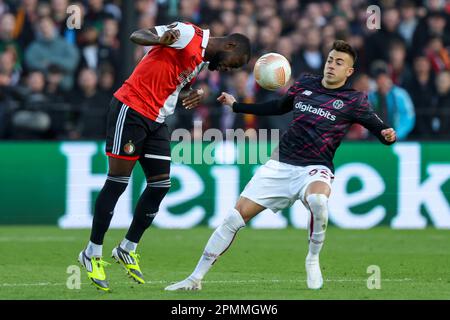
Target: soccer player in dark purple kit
<point>301,168</point>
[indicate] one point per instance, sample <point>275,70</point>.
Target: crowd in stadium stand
<point>57,82</point>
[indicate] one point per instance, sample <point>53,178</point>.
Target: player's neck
<point>212,48</point>
<point>333,85</point>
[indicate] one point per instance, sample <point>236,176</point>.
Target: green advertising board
<point>406,185</point>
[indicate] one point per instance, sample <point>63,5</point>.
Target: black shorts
<point>130,135</point>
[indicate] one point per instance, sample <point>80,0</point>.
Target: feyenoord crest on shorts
<point>129,148</point>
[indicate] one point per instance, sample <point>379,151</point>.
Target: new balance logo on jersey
<point>307,93</point>
<point>319,111</point>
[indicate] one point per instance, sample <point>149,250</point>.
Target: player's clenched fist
<point>193,98</point>
<point>226,99</point>
<point>169,37</point>
<point>389,135</point>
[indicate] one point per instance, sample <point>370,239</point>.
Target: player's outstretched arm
<point>378,128</point>
<point>273,107</point>
<point>149,37</point>
<point>366,116</point>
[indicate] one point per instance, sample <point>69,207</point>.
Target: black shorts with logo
<point>130,135</point>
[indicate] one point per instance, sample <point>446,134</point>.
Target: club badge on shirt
<point>129,148</point>
<point>338,104</point>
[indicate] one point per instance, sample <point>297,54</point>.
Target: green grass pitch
<point>261,264</point>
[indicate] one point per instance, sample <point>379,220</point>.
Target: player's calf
<point>318,205</point>
<point>218,243</point>
<point>104,207</point>
<point>147,207</point>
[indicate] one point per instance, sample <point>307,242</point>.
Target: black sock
<point>104,206</point>
<point>147,208</point>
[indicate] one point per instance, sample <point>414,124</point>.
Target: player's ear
<point>350,71</point>
<point>229,46</point>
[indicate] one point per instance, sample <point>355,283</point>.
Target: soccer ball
<point>272,71</point>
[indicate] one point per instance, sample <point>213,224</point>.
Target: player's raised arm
<point>272,107</point>
<point>149,37</point>
<point>176,35</point>
<point>367,117</point>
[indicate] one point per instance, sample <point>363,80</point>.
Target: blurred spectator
<point>341,26</point>
<point>35,83</point>
<point>59,15</point>
<point>393,104</point>
<point>50,49</point>
<point>96,14</point>
<point>285,47</point>
<point>310,57</point>
<point>108,51</point>
<point>408,22</point>
<point>377,44</point>
<point>267,39</point>
<point>32,121</point>
<point>9,65</point>
<point>90,106</point>
<point>290,12</point>
<point>438,55</point>
<point>7,40</point>
<point>399,70</point>
<point>26,18</point>
<point>190,10</point>
<point>100,48</point>
<point>106,80</point>
<point>421,88</point>
<point>440,123</point>
<point>43,9</point>
<point>4,7</point>
<point>53,89</point>
<point>434,25</point>
<point>344,8</point>
<point>5,100</point>
<point>242,91</point>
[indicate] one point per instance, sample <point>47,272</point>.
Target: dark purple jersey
<point>321,118</point>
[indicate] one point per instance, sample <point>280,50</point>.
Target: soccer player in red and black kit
<point>136,130</point>
<point>301,168</point>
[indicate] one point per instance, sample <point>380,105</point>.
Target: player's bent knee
<point>159,177</point>
<point>247,208</point>
<point>318,203</point>
<point>234,221</point>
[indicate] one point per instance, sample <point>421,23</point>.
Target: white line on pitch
<point>43,284</point>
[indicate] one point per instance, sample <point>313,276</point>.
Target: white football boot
<point>314,278</point>
<point>186,284</point>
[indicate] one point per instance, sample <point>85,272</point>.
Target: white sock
<point>315,244</point>
<point>218,243</point>
<point>94,250</point>
<point>128,245</point>
<point>318,204</point>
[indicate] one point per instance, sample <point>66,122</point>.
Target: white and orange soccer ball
<point>272,71</point>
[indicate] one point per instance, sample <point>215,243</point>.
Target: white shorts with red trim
<point>277,185</point>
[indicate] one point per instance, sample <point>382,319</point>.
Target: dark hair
<point>342,46</point>
<point>243,46</point>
